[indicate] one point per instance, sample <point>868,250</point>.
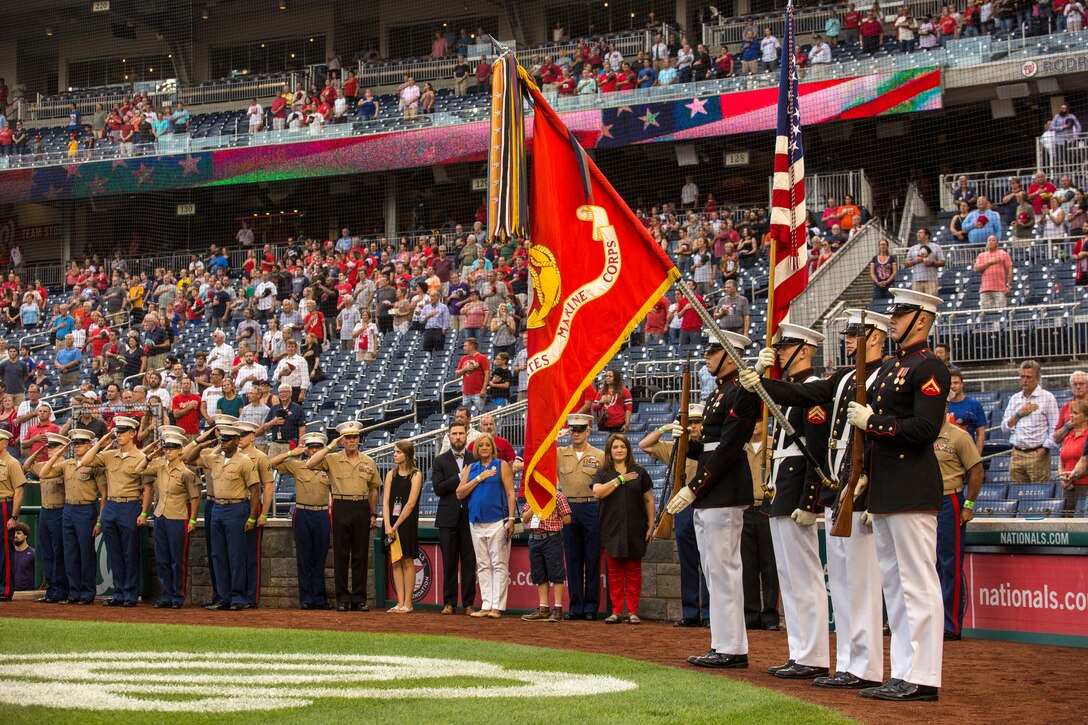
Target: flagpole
<point>764,470</point>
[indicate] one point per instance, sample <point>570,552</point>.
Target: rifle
<point>678,460</point>
<point>844,511</point>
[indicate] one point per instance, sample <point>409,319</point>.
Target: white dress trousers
<point>804,596</point>
<point>853,577</point>
<point>717,532</point>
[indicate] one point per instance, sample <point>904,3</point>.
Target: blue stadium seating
<point>1040,507</point>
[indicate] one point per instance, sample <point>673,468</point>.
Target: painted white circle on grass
<point>244,681</point>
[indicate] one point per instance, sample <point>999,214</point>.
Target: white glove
<point>749,379</point>
<point>803,518</point>
<point>676,430</point>
<point>866,519</point>
<point>767,357</point>
<point>683,498</point>
<point>858,415</point>
<point>859,488</point>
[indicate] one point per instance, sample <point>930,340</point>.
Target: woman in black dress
<point>400,510</point>
<point>625,519</point>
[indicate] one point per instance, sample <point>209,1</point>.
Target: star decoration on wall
<point>697,105</point>
<point>650,119</point>
<point>190,164</point>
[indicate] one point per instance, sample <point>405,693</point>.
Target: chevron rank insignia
<point>931,386</point>
<point>817,415</point>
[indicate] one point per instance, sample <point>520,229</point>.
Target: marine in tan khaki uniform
<point>51,519</point>
<point>12,481</point>
<point>267,487</point>
<point>128,501</point>
<point>354,480</point>
<point>309,520</point>
<point>177,500</point>
<point>84,495</point>
<point>577,464</point>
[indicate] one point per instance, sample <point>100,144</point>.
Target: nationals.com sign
<point>1028,593</point>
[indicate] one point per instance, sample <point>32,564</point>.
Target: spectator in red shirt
<point>606,81</point>
<point>503,449</point>
<point>851,21</point>
<point>567,83</point>
<point>612,406</point>
<point>657,322</point>
<point>1039,192</point>
<point>186,408</point>
<point>549,72</point>
<point>472,369</point>
<point>483,76</point>
<point>691,326</point>
<point>872,33</point>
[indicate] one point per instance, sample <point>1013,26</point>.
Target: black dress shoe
<point>798,671</point>
<point>128,604</point>
<point>237,607</point>
<point>948,636</point>
<point>323,605</point>
<point>162,605</point>
<point>572,616</point>
<point>721,660</point>
<point>52,600</point>
<point>86,602</point>
<point>704,623</point>
<point>5,597</point>
<point>901,691</point>
<point>844,681</point>
<point>217,607</point>
<point>362,607</point>
<point>343,607</point>
<point>304,606</point>
<point>771,627</point>
<point>176,605</point>
<point>68,601</point>
<point>209,603</point>
<point>251,606</point>
<point>686,622</point>
<point>776,668</point>
<point>591,616</point>
<point>693,658</point>
<point>111,602</point>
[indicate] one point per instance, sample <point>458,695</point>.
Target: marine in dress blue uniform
<point>901,422</point>
<point>720,493</point>
<point>792,510</point>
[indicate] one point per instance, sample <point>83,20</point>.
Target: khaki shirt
<point>52,488</point>
<point>957,454</point>
<point>263,464</point>
<point>311,487</point>
<point>662,451</point>
<point>232,478</point>
<point>122,480</point>
<point>11,477</point>
<point>351,479</point>
<point>755,463</point>
<point>82,484</point>
<point>175,486</point>
<point>576,476</point>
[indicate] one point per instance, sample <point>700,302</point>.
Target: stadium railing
<point>837,184</point>
<point>828,283</point>
<point>806,21</point>
<point>1023,252</point>
<point>1059,157</point>
<point>225,90</point>
<point>994,184</point>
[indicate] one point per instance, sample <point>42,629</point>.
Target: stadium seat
<point>998,508</point>
<point>1040,507</point>
<point>1031,491</point>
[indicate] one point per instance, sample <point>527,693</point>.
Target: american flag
<point>789,218</point>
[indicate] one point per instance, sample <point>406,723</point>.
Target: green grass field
<point>170,673</point>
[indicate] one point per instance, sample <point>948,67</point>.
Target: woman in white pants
<point>488,484</point>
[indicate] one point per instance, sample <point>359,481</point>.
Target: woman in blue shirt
<point>161,126</point>
<point>488,484</point>
<point>29,313</point>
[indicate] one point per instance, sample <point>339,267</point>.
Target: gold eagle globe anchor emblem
<point>547,285</point>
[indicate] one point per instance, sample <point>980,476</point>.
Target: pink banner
<point>1028,593</point>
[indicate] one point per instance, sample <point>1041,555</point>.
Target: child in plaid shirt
<point>546,558</point>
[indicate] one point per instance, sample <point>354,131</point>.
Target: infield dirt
<point>984,681</point>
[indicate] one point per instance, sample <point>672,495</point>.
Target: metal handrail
<point>36,333</point>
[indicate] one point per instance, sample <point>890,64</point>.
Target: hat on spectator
<point>176,430</point>
<point>579,419</point>
<point>173,440</point>
<point>982,219</point>
<point>246,426</point>
<point>907,300</point>
<point>222,419</point>
<point>5,435</point>
<point>791,334</point>
<point>56,439</point>
<point>123,422</point>
<point>81,435</point>
<point>350,428</point>
<point>736,339</point>
<point>314,439</point>
<point>873,321</point>
<point>88,395</point>
<point>695,410</point>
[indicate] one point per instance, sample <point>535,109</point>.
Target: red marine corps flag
<point>595,270</point>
